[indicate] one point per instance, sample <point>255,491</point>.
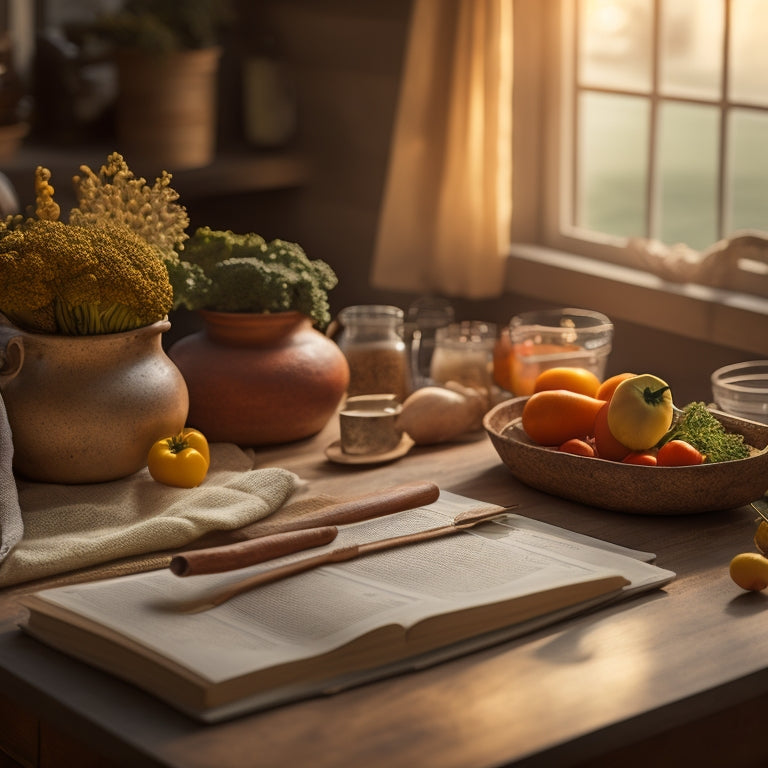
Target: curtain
<point>445,216</point>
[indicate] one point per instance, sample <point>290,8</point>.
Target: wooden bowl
<point>627,487</point>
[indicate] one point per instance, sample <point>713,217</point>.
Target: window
<point>662,124</point>
<point>594,108</point>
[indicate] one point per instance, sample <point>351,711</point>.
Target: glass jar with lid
<point>372,341</point>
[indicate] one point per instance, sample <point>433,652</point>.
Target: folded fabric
<point>11,524</point>
<point>73,527</point>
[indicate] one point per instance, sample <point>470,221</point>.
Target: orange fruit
<point>578,380</point>
<point>608,387</point>
<point>750,571</point>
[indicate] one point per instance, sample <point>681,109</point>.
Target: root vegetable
<point>440,414</point>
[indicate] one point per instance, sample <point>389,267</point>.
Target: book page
<point>314,612</point>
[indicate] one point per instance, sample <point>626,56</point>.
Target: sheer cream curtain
<point>445,217</point>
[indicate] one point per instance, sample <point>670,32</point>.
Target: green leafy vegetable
<point>230,272</point>
<point>697,426</point>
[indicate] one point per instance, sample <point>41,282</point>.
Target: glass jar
<point>372,341</point>
<point>464,354</point>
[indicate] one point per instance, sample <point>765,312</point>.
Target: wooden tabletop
<point>669,678</point>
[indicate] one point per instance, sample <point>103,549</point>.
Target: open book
<point>343,624</point>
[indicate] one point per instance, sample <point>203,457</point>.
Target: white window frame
<point>551,264</point>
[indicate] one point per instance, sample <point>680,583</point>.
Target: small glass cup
<point>464,354</point>
<point>425,316</point>
<point>741,390</point>
<point>538,340</point>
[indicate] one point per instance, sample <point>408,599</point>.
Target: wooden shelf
<point>232,172</point>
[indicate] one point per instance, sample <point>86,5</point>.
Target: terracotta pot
<point>166,108</point>
<point>260,379</point>
<point>86,409</point>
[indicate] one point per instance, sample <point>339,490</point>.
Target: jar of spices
<point>372,341</point>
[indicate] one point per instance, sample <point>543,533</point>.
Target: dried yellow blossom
<point>46,207</point>
<point>63,278</point>
<point>116,196</point>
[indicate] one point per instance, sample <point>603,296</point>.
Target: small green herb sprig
<point>698,426</point>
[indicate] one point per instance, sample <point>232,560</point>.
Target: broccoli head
<point>233,272</point>
<point>63,278</point>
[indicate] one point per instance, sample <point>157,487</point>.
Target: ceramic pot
<point>86,409</point>
<point>259,378</point>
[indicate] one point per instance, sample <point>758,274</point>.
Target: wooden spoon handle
<point>311,530</point>
<point>250,552</point>
<point>376,504</point>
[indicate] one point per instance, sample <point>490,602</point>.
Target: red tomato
<point>640,457</point>
<point>678,453</point>
<point>577,447</point>
<point>607,446</point>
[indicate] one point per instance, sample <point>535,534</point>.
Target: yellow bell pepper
<point>180,460</point>
<point>640,411</point>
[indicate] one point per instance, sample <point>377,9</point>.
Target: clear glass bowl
<point>741,389</point>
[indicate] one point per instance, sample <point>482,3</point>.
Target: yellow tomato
<point>640,411</point>
<point>578,380</point>
<point>180,460</point>
<point>750,571</point>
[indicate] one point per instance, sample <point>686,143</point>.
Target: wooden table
<point>676,677</point>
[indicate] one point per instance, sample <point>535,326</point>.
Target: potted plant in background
<point>167,56</point>
<point>260,372</point>
<point>86,384</point>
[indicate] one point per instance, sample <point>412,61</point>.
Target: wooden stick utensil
<point>310,530</point>
<point>461,522</point>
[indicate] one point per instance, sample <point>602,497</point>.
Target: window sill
<point>726,318</point>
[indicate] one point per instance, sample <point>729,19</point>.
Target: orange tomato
<point>608,387</point>
<point>607,446</point>
<point>573,379</point>
<point>555,415</point>
<point>577,447</point>
<point>678,453</point>
<point>644,458</point>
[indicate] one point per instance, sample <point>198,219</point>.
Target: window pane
<point>615,44</point>
<point>691,45</point>
<point>688,174</point>
<point>613,157</point>
<point>748,170</point>
<point>749,52</point>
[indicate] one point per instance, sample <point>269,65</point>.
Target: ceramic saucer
<point>334,453</point>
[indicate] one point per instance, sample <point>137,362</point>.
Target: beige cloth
<point>67,528</point>
<point>11,525</point>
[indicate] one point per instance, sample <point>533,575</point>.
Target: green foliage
<point>62,278</point>
<point>697,426</point>
<point>232,272</point>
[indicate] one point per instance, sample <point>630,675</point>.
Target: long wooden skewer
<point>294,536</point>
<point>462,522</point>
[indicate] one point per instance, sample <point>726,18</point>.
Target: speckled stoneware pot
<point>86,409</point>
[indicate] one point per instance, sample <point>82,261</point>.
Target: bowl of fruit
<point>624,445</point>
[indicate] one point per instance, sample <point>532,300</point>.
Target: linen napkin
<point>73,527</point>
<point>11,524</point>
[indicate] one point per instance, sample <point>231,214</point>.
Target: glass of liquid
<point>542,339</point>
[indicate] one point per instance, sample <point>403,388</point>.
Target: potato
<point>440,414</point>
